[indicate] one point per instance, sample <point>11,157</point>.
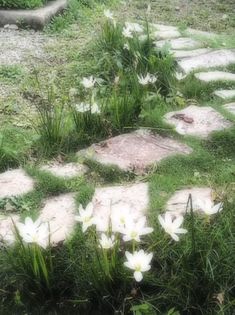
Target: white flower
<point>134,27</point>
<point>126,46</point>
<point>120,215</point>
<point>102,223</point>
<point>172,226</point>
<point>126,32</point>
<point>89,82</point>
<point>149,78</point>
<point>34,232</point>
<point>133,230</point>
<point>106,242</point>
<point>85,216</point>
<point>108,14</point>
<point>83,108</point>
<point>138,261</point>
<point>208,207</point>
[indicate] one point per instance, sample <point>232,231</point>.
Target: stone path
<point>15,183</point>
<point>212,76</point>
<point>225,94</point>
<point>230,107</point>
<point>136,151</point>
<point>177,204</point>
<point>68,170</point>
<point>197,121</point>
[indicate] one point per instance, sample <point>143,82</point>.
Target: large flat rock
<point>15,183</point>
<point>135,151</point>
<point>7,228</point>
<point>230,107</point>
<point>197,121</point>
<point>177,204</point>
<point>212,76</point>
<point>179,43</point>
<point>218,58</point>
<point>36,18</point>
<point>167,34</point>
<point>68,170</point>
<point>59,212</point>
<point>133,198</point>
<point>225,94</point>
<point>179,54</point>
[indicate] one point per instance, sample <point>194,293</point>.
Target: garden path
<point>124,151</point>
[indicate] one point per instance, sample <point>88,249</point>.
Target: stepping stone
<point>218,58</point>
<point>179,54</point>
<point>164,28</point>
<point>215,76</point>
<point>135,151</point>
<point>225,94</point>
<point>68,170</point>
<point>197,121</point>
<point>230,107</point>
<point>191,31</point>
<point>59,212</point>
<point>115,199</point>
<point>177,204</point>
<point>179,43</point>
<point>7,229</point>
<point>167,34</point>
<point>15,183</point>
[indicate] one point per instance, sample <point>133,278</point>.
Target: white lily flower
<point>133,230</point>
<point>208,207</point>
<point>83,108</point>
<point>34,232</point>
<point>85,216</point>
<point>126,32</point>
<point>120,215</point>
<point>89,82</point>
<point>134,27</point>
<point>172,226</point>
<point>108,14</point>
<point>145,80</point>
<point>102,223</point>
<point>106,242</point>
<point>139,261</point>
<point>126,46</point>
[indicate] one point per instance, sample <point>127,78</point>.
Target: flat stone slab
<point>225,94</point>
<point>133,198</point>
<point>7,229</point>
<point>230,107</point>
<point>15,183</point>
<point>167,34</point>
<point>135,151</point>
<point>197,121</point>
<point>164,28</point>
<point>59,212</point>
<point>179,43</point>
<point>179,54</point>
<point>177,204</point>
<point>218,58</point>
<point>215,76</point>
<point>36,18</point>
<point>68,170</point>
